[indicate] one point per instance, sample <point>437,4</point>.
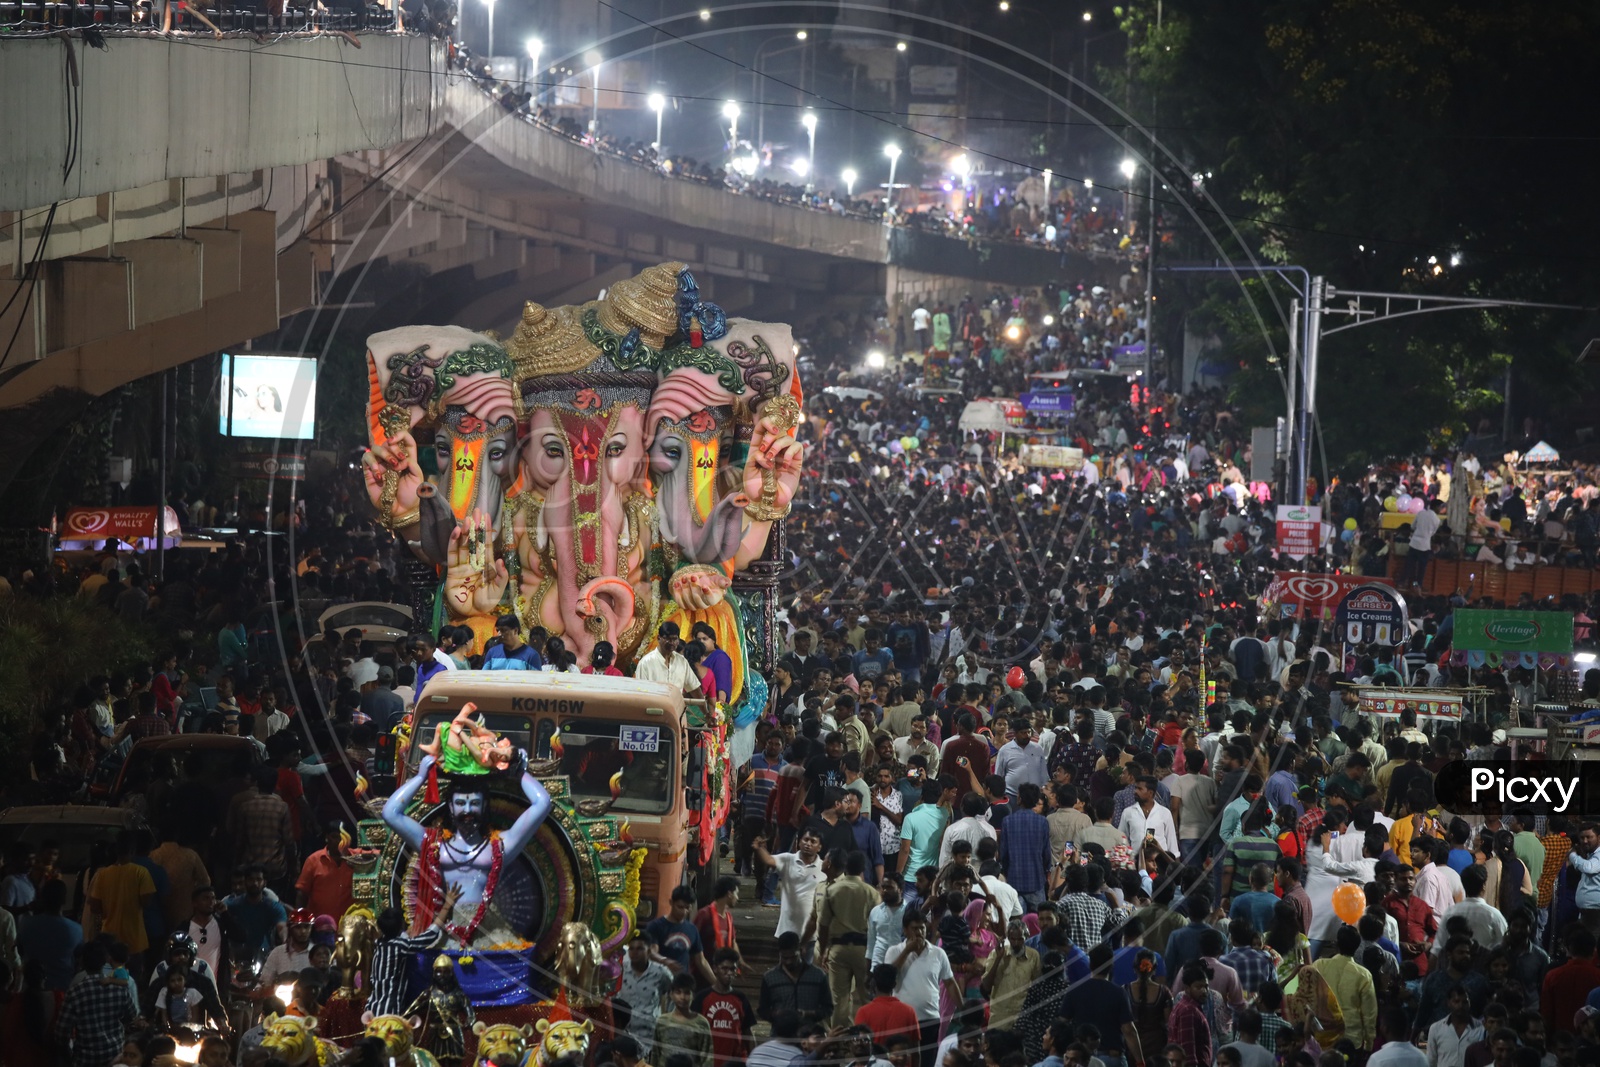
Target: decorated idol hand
<point>698,587</point>
<point>397,457</point>
<point>474,580</point>
<point>781,459</point>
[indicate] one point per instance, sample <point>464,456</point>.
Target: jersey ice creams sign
<point>1372,613</point>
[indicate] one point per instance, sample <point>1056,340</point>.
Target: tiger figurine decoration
<point>562,1038</point>
<point>395,1033</point>
<point>294,1041</point>
<point>503,1045</point>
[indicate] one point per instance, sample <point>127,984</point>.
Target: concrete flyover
<point>165,198</point>
<point>155,194</point>
<point>525,212</point>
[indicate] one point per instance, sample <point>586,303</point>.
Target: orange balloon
<point>1349,902</point>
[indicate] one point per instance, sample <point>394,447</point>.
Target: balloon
<point>1015,679</point>
<point>1349,903</point>
<point>1347,536</point>
<point>1349,524</point>
<point>1505,524</point>
<point>1402,502</point>
<point>1389,503</point>
<point>1417,504</point>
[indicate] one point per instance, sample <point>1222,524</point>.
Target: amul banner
<point>1478,630</point>
<point>1427,703</point>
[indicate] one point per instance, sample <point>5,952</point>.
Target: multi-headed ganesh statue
<point>612,465</point>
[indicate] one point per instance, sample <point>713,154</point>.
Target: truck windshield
<point>632,762</point>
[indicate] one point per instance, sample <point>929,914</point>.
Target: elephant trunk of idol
<point>584,542</point>
<point>713,542</point>
<point>469,485</point>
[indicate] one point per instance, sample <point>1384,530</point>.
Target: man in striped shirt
<point>390,955</point>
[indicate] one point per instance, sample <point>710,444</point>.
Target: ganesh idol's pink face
<point>557,439</point>
<point>586,463</point>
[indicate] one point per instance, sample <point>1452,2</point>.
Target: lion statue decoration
<point>563,1039</point>
<point>294,1041</point>
<point>395,1033</point>
<point>502,1045</point>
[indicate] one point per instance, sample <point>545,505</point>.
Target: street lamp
<point>800,35</point>
<point>1129,168</point>
<point>849,177</point>
<point>595,59</point>
<point>535,47</point>
<point>705,14</point>
<point>809,121</point>
<point>490,5</point>
<point>900,46</point>
<point>1088,16</point>
<point>657,104</point>
<point>893,152</point>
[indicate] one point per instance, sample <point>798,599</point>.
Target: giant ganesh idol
<point>611,466</point>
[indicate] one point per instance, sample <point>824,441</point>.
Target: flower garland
<point>430,881</point>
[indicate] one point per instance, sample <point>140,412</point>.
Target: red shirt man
<point>966,745</point>
<point>1418,924</point>
<point>727,1011</point>
<point>1566,988</point>
<point>886,1015</point>
<point>324,885</point>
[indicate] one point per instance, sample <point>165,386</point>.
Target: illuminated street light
<point>1005,5</point>
<point>849,177</point>
<point>893,152</point>
<point>800,35</point>
<point>705,14</point>
<point>961,167</point>
<point>1088,183</point>
<point>801,166</point>
<point>899,46</point>
<point>730,111</point>
<point>1088,16</point>
<point>658,103</point>
<point>534,46</point>
<point>875,359</point>
<point>809,121</point>
<point>1129,168</point>
<point>594,59</point>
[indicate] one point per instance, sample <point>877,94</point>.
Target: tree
<point>1390,146</point>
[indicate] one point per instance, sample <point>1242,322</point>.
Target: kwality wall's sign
<point>1372,613</point>
<point>1478,630</point>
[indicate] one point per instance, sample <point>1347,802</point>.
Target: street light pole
<point>535,46</point>
<point>658,104</point>
<point>809,121</point>
<point>893,152</point>
<point>490,5</point>
<point>730,111</point>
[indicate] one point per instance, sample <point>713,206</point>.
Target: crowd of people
<point>1038,783</point>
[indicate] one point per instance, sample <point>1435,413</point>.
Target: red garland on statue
<point>430,884</point>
